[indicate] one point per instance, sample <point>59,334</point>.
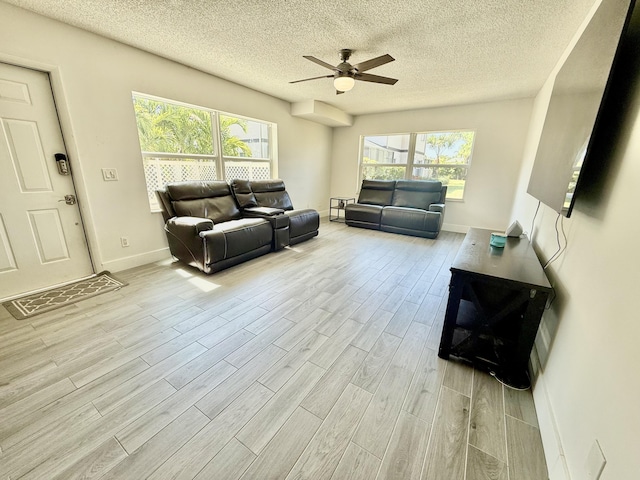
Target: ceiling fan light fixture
<point>344,83</point>
<point>345,75</point>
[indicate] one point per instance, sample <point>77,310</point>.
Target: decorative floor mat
<point>37,303</point>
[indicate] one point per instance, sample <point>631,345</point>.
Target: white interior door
<point>42,240</point>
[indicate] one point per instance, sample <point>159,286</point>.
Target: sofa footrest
<point>236,237</point>
<point>363,215</point>
<point>410,219</point>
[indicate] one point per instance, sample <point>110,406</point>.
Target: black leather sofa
<point>215,225</point>
<point>410,207</point>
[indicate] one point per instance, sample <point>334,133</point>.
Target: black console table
<point>496,300</point>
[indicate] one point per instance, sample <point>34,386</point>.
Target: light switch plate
<point>595,462</point>
<point>109,174</point>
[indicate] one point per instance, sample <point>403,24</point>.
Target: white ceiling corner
<point>447,52</point>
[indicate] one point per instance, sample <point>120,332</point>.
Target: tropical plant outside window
<point>443,156</point>
<point>181,142</point>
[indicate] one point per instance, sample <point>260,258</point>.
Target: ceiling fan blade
<point>374,62</point>
<point>338,92</point>
<point>319,62</point>
<point>367,77</point>
<point>313,78</point>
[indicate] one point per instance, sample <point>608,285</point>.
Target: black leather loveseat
<point>410,207</point>
<point>214,225</point>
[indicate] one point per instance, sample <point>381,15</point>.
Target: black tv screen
<point>579,93</point>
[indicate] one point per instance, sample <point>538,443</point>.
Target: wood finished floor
<point>316,362</point>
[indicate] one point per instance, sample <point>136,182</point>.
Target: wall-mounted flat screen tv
<point>579,92</point>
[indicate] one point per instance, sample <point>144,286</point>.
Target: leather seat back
<point>211,200</point>
<point>272,194</point>
<point>377,192</point>
<point>416,193</point>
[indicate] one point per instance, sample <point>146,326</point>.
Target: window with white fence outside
<point>182,142</point>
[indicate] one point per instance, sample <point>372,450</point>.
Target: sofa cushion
<point>271,193</point>
<point>376,192</point>
<point>211,200</point>
<point>416,193</point>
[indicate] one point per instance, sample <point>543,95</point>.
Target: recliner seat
<point>367,212</point>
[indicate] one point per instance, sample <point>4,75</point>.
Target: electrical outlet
<point>110,174</point>
<point>595,462</point>
<point>124,241</point>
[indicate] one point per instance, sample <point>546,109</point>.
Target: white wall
<point>93,78</point>
<point>588,387</point>
<point>591,373</point>
<point>501,129</point>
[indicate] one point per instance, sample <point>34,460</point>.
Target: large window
<point>183,142</point>
<point>443,156</point>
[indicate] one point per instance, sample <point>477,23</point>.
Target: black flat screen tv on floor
<point>577,108</point>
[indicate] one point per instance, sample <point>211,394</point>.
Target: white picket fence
<point>160,171</point>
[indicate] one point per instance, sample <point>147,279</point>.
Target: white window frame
<point>219,161</point>
<point>411,151</point>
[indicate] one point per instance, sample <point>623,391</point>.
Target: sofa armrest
<point>262,212</point>
<point>435,217</point>
<point>436,207</point>
<point>188,226</point>
<point>185,243</point>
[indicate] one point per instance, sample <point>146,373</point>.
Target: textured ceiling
<point>447,51</point>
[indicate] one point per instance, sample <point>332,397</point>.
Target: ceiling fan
<point>345,74</point>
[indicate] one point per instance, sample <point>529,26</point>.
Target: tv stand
<point>496,300</point>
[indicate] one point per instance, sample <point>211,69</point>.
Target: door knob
<point>69,200</point>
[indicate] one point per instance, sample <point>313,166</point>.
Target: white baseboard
<point>451,227</point>
<point>136,260</point>
<point>551,440</point>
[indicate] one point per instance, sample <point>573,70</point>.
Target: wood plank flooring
<point>315,362</point>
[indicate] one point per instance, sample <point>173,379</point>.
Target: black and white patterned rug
<point>37,303</point>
